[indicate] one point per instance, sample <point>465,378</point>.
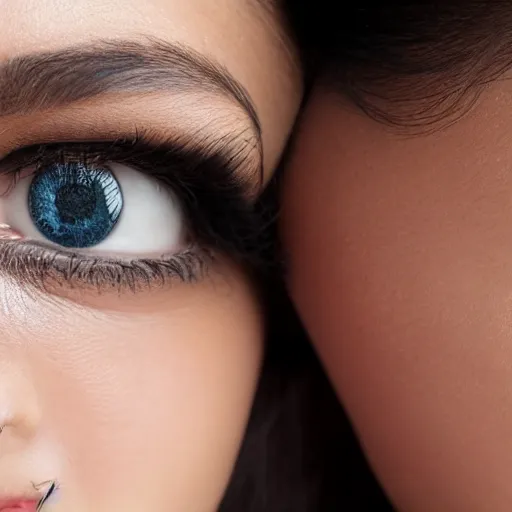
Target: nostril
<point>19,402</point>
<point>20,426</point>
<point>4,424</point>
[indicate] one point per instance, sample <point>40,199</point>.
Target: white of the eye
<point>151,222</point>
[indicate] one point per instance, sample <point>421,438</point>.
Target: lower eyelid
<point>42,267</point>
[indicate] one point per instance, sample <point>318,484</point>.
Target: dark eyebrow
<point>40,81</point>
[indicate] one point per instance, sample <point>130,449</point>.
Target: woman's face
<point>130,345</point>
<point>400,263</point>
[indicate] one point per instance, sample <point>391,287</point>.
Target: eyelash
<point>206,179</point>
<point>37,265</point>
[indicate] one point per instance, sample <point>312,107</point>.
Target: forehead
<point>244,36</point>
<point>47,21</point>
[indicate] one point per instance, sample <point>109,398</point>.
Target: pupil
<point>75,202</point>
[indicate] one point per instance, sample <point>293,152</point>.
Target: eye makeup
<point>214,180</point>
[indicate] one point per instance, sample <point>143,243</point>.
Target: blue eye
<point>75,206</point>
<point>110,210</point>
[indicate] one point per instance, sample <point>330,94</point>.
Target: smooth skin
<point>138,402</point>
<point>400,254</point>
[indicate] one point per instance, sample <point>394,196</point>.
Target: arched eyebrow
<point>40,81</point>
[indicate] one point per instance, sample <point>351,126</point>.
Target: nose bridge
<point>19,405</point>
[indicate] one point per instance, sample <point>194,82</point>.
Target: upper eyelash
<point>228,223</point>
<point>129,148</point>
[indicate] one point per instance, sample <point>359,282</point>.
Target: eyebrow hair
<point>40,81</point>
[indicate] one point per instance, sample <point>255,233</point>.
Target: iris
<point>73,205</point>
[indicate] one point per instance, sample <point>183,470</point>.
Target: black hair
<point>413,64</point>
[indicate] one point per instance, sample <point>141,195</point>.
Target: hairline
<point>421,69</point>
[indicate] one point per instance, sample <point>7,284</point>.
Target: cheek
<point>146,408</point>
<point>401,266</point>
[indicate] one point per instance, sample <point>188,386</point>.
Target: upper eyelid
<point>229,172</point>
<point>161,124</point>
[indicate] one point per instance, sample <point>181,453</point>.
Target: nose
<point>27,452</point>
<point>19,410</point>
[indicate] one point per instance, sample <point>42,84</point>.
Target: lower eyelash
<point>43,267</point>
